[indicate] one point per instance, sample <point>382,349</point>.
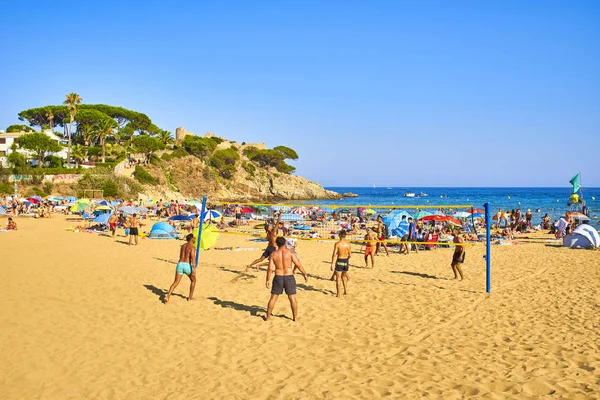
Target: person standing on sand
<point>370,246</point>
<point>134,226</point>
<point>458,257</point>
<point>271,237</point>
<point>342,251</point>
<point>238,215</point>
<point>281,261</point>
<point>186,265</point>
<point>381,236</point>
<point>112,223</point>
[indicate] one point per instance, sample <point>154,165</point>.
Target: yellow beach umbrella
<point>84,201</point>
<point>103,208</point>
<point>78,207</point>
<point>209,236</point>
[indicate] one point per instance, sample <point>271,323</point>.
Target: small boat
<point>374,186</point>
<point>409,194</point>
<point>422,194</point>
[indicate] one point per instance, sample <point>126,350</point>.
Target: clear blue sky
<point>392,93</point>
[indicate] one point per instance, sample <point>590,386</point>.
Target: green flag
<point>575,182</point>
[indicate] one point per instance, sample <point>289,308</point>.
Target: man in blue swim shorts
<point>186,265</point>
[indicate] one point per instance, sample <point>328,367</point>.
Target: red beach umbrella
<point>32,200</point>
<point>444,218</point>
<point>247,210</point>
<point>475,211</point>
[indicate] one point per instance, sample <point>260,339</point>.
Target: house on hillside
<point>8,139</point>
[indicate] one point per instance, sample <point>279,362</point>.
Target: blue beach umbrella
<point>142,210</point>
<point>102,218</point>
<point>72,198</point>
<point>291,217</point>
<point>102,202</point>
<point>181,218</point>
<point>2,211</point>
<point>211,215</point>
<point>128,210</point>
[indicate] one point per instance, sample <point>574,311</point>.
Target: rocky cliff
<point>190,177</point>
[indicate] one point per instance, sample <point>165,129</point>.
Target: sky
<point>402,93</point>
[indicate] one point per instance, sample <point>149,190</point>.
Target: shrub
<point>179,153</point>
<point>39,192</point>
<point>48,186</point>
<point>249,168</point>
<point>5,188</point>
<point>224,161</point>
<point>144,176</point>
<point>199,147</point>
<point>110,188</point>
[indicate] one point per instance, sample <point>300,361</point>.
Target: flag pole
<point>201,222</point>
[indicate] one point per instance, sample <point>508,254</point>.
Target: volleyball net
<point>388,224</point>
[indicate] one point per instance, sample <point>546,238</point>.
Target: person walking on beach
<point>459,255</point>
<point>112,223</point>
<point>186,265</point>
<point>412,235</point>
<point>370,246</point>
<point>381,236</point>
<point>281,261</point>
<point>271,236</point>
<point>134,226</point>
<point>342,251</point>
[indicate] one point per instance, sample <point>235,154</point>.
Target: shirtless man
<point>281,261</point>
<point>370,246</point>
<point>342,251</point>
<point>134,226</point>
<point>186,265</point>
<point>238,215</point>
<point>271,236</point>
<point>381,236</point>
<point>458,257</point>
<point>112,223</point>
<point>11,225</point>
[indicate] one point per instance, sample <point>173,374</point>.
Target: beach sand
<point>81,318</point>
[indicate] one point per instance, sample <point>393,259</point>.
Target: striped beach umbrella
<point>213,215</point>
<point>302,211</point>
<point>2,211</point>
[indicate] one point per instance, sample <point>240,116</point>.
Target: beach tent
<point>400,230</point>
<point>584,236</point>
<point>162,230</point>
<point>102,218</point>
<point>393,219</point>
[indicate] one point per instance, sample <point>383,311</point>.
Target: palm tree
<point>165,137</point>
<point>105,130</point>
<point>73,99</point>
<point>79,153</point>
<point>50,117</point>
<point>87,134</point>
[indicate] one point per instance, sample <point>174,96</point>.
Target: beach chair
<point>431,238</point>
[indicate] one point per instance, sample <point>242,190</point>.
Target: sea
<point>548,200</point>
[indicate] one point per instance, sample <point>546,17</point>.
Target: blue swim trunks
<point>183,268</point>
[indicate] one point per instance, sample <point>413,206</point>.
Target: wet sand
<point>82,318</point>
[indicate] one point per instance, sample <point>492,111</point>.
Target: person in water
<point>186,265</point>
<point>282,261</point>
<point>342,251</point>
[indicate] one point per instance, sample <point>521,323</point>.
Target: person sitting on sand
<point>281,261</point>
<point>186,265</point>
<point>11,225</point>
<point>342,251</point>
<point>370,246</point>
<point>458,257</point>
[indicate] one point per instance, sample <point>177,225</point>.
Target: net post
<point>201,222</point>
<point>488,226</point>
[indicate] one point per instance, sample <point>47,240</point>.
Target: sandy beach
<point>82,318</point>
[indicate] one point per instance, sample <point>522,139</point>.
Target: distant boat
<point>374,186</point>
<point>422,194</point>
<point>389,188</point>
<point>409,194</point>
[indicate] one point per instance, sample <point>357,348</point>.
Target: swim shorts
<point>382,238</point>
<point>238,216</point>
<point>113,226</point>
<point>369,250</point>
<point>341,265</point>
<point>287,282</point>
<point>268,251</point>
<point>458,258</point>
<point>183,268</point>
<point>133,231</point>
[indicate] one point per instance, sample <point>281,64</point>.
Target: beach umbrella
<point>579,216</point>
<point>212,215</point>
<point>247,210</point>
<point>462,214</point>
<point>421,214</point>
<point>71,198</point>
<point>210,235</point>
<point>142,210</point>
<point>102,218</point>
<point>291,217</point>
<point>127,210</point>
<point>195,203</point>
<point>38,198</point>
<point>102,202</point>
<point>79,207</point>
<point>280,207</point>
<point>181,218</point>
<point>84,201</point>
<point>33,200</point>
<point>103,208</point>
<point>261,209</point>
<point>152,202</point>
<point>369,211</point>
<point>300,211</point>
<point>443,218</point>
<point>2,211</point>
<point>475,211</point>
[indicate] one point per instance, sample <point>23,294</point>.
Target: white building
<point>7,140</point>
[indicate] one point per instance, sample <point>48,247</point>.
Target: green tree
<point>16,160</point>
<point>165,137</point>
<point>19,128</point>
<point>105,129</point>
<point>72,101</point>
<point>87,133</point>
<point>224,161</point>
<point>79,153</point>
<point>147,145</point>
<point>200,147</point>
<point>287,152</point>
<point>40,144</point>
